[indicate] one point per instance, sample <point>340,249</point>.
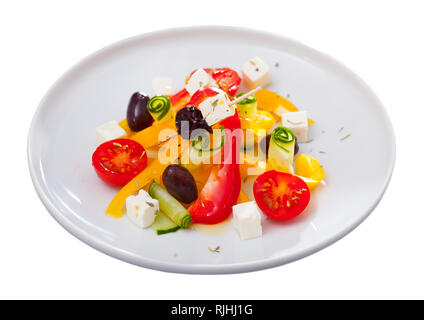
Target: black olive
<point>138,117</point>
<point>296,146</point>
<point>265,145</point>
<point>180,183</point>
<point>194,118</point>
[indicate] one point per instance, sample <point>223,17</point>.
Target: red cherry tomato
<point>227,79</point>
<point>118,161</point>
<point>281,196</point>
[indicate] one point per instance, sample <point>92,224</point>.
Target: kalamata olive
<point>180,183</point>
<point>194,118</point>
<point>266,145</point>
<point>138,117</point>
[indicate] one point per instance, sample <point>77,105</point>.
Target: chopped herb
<point>215,250</point>
<point>288,204</point>
<point>345,137</point>
<point>203,205</point>
<point>142,155</point>
<point>295,198</point>
<point>137,184</point>
<point>116,144</point>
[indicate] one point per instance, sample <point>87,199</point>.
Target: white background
<point>382,41</point>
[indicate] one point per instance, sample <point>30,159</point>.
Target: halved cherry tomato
<point>281,196</point>
<point>227,79</point>
<point>118,161</point>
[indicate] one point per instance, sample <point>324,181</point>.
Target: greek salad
<point>208,152</point>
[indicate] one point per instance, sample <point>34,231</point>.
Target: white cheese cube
<point>162,86</point>
<point>198,80</point>
<point>298,123</point>
<point>142,209</point>
<point>247,220</point>
<point>217,108</point>
<point>256,73</point>
<point>108,131</point>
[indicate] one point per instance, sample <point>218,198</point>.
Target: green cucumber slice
<point>281,149</point>
<point>247,108</point>
<point>170,206</point>
<point>163,224</point>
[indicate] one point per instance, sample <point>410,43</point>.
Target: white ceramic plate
<point>97,90</point>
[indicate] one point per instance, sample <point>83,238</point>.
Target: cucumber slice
<point>159,108</point>
<point>248,107</point>
<point>163,224</point>
<point>170,206</point>
<point>281,149</point>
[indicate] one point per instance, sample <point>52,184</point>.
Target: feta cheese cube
<point>198,80</point>
<point>247,220</point>
<point>217,108</point>
<point>298,123</point>
<point>108,131</point>
<point>162,86</point>
<point>142,209</point>
<point>256,73</point>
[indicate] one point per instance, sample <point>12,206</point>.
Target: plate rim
<point>233,268</point>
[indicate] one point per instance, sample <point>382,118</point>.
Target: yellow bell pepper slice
<point>124,125</point>
<point>263,120</point>
<point>271,101</point>
<point>309,169</point>
<point>242,197</point>
<point>151,172</point>
<point>150,136</point>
